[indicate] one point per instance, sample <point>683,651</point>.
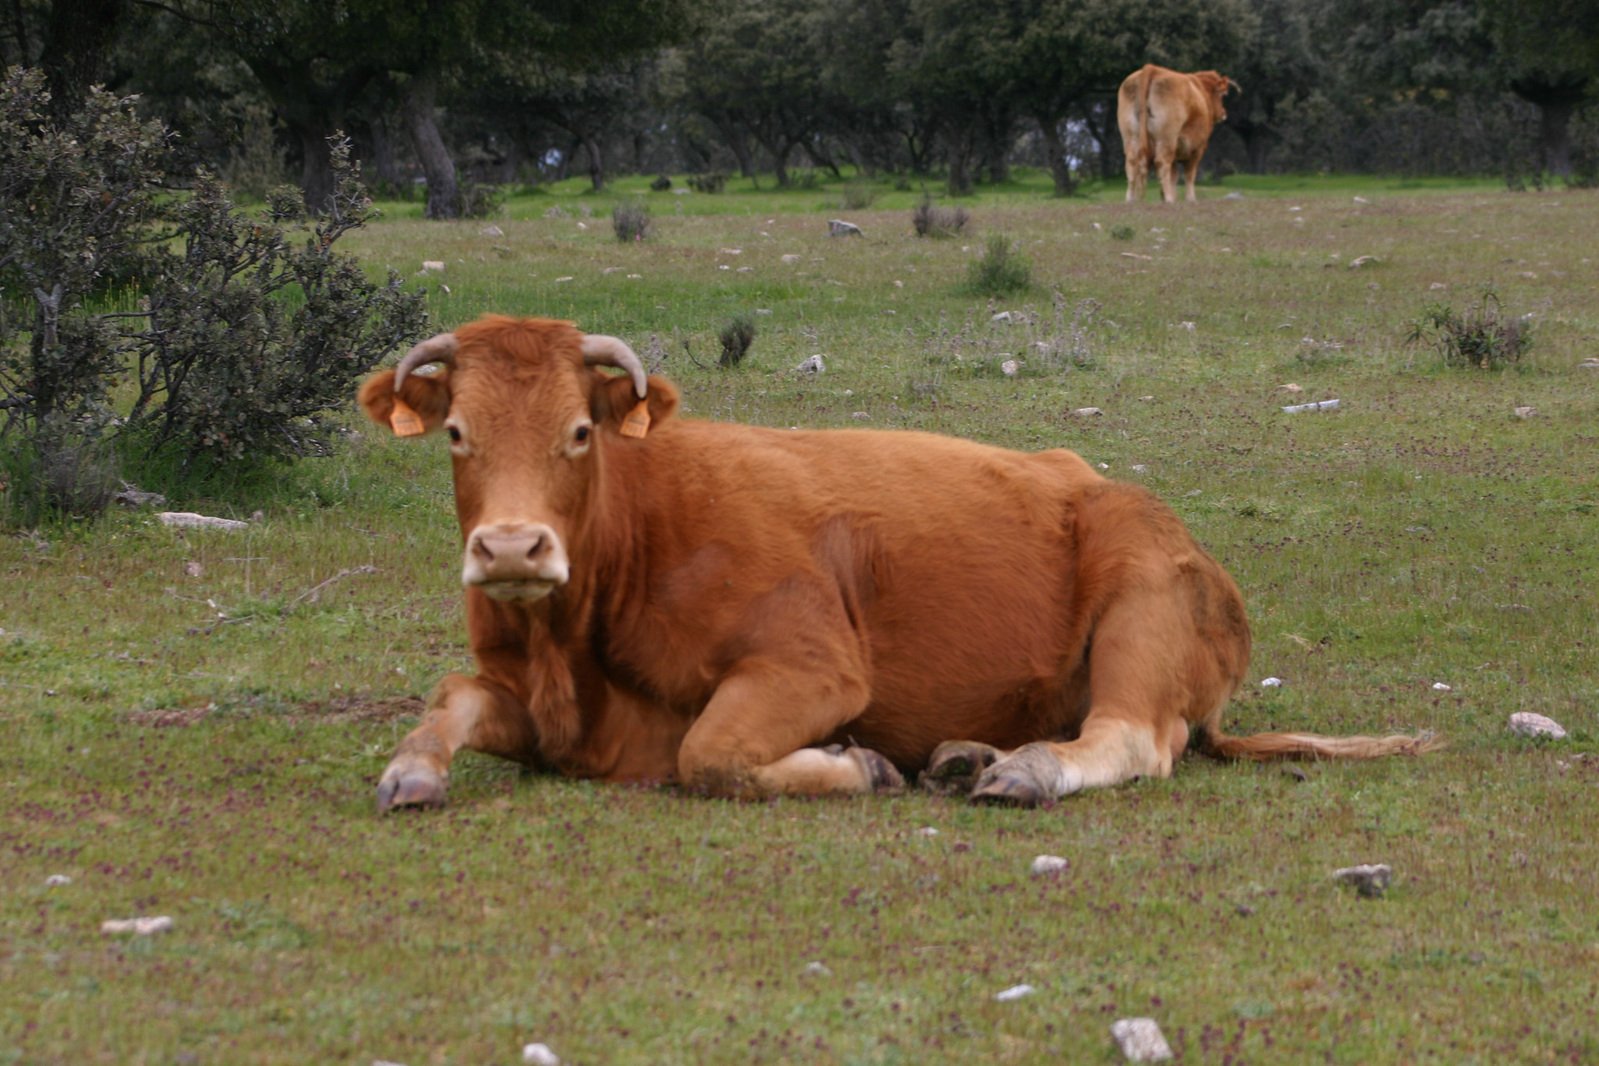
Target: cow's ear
<point>615,404</point>
<point>423,402</point>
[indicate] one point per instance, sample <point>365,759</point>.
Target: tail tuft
<point>1263,747</point>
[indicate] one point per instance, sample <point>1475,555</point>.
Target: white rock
<point>861,416</point>
<point>57,880</point>
<point>1087,412</point>
<point>1271,682</point>
<point>539,1055</point>
<point>1044,865</point>
<point>837,227</point>
<point>1319,405</point>
<point>492,231</point>
<point>1528,724</point>
<point>1525,412</point>
<point>1589,364</point>
<point>432,266</point>
<point>790,258</point>
<point>1010,368</point>
<point>1014,992</point>
<point>816,969</point>
<point>1370,880</point>
<point>136,926</point>
<point>1141,1040</point>
<point>1439,686</point>
<point>1002,316</point>
<point>1290,387</point>
<point>190,520</point>
<point>814,365</point>
<point>1140,468</point>
<point>386,1062</point>
<point>927,831</point>
<point>1361,200</point>
<point>1362,260</point>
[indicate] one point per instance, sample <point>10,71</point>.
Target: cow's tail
<point>1264,747</point>
<point>1145,149</point>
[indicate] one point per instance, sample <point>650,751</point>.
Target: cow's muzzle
<point>515,561</point>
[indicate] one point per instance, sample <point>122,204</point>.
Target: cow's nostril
<point>536,547</point>
<point>481,550</point>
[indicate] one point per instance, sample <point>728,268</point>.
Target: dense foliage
<point>449,95</point>
<point>143,320</point>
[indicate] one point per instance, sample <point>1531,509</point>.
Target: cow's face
<point>1216,86</point>
<point>527,420</point>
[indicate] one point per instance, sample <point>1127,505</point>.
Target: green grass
<point>194,729</point>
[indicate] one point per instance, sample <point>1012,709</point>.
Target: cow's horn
<point>600,350</point>
<point>439,349</point>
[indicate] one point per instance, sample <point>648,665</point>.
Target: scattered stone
<point>1528,724</point>
<point>816,969</point>
<point>1049,865</point>
<point>1140,468</point>
<point>556,212</point>
<point>1141,1040</point>
<point>1135,255</point>
<point>1525,412</point>
<point>1296,772</point>
<point>789,258</point>
<point>386,1062</point>
<point>492,231</point>
<point>927,831</point>
<point>1439,686</point>
<point>1362,260</point>
<point>1234,195</point>
<point>432,266</point>
<point>1290,387</point>
<point>539,1055</point>
<point>1086,412</point>
<point>190,520</point>
<point>1010,368</point>
<point>1319,405</point>
<point>1370,880</point>
<point>1244,910</point>
<point>837,227</point>
<point>1014,992</point>
<point>814,365</point>
<point>1437,286</point>
<point>57,880</point>
<point>1002,316</point>
<point>1271,682</point>
<point>861,416</point>
<point>1361,200</point>
<point>136,926</point>
<point>1589,364</point>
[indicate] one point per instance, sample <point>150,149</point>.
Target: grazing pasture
<point>195,720</point>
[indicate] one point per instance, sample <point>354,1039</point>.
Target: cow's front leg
<point>956,765</point>
<point>752,739</point>
<point>463,712</point>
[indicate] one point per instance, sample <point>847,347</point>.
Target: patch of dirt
<point>335,709</point>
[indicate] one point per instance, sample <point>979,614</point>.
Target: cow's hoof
<point>417,788</point>
<point>881,775</point>
<point>1027,777</point>
<point>956,766</point>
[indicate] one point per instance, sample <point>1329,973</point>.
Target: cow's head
<point>1216,86</point>
<point>528,416</point>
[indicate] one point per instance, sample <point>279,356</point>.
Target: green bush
<point>1001,270</point>
<point>736,337</point>
<point>134,319</point>
<point>631,221</point>
<point>1481,337</point>
<point>929,220</point>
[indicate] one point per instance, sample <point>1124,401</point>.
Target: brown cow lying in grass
<point>1166,118</point>
<point>756,611</point>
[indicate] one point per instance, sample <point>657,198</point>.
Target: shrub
<point>714,182</point>
<point>661,183</point>
<point>736,337</point>
<point>475,199</point>
<point>1121,233</point>
<point>857,196</point>
<point>1000,271</point>
<point>157,322</point>
<point>631,221</point>
<point>1482,336</point>
<point>932,221</point>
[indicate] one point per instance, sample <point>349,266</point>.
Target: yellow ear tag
<point>637,422</point>
<point>404,421</point>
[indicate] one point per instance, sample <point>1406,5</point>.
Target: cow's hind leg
<point>956,765</point>
<point>1161,658</point>
<point>463,712</point>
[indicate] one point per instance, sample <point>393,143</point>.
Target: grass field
<point>195,721</point>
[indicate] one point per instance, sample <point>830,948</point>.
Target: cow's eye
<point>455,434</point>
<point>580,435</point>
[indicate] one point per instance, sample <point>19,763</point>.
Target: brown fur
<point>737,594</point>
<point>1166,118</point>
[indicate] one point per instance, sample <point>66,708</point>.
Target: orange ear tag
<point>404,421</point>
<point>637,422</point>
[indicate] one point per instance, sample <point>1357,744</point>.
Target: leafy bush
<point>1482,336</point>
<point>1121,233</point>
<point>736,337</point>
<point>631,221</point>
<point>714,182</point>
<point>857,196</point>
<point>135,321</point>
<point>931,221</point>
<point>1001,270</point>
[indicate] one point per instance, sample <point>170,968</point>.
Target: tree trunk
<point>591,145</point>
<point>80,34</point>
<point>1554,135</point>
<point>1060,169</point>
<point>444,198</point>
<point>316,168</point>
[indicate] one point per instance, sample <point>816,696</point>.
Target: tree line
<point>454,95</point>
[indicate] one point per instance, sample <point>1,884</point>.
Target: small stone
<point>492,231</point>
<point>57,880</point>
<point>1014,992</point>
<point>1141,1040</point>
<point>136,926</point>
<point>1048,865</point>
<point>814,365</point>
<point>1086,412</point>
<point>1528,724</point>
<point>1589,364</point>
<point>1140,468</point>
<point>1003,316</point>
<point>1010,368</point>
<point>790,258</point>
<point>927,831</point>
<point>1362,260</point>
<point>816,969</point>
<point>190,520</point>
<point>837,227</point>
<point>1525,412</point>
<point>539,1055</point>
<point>1290,387</point>
<point>1361,200</point>
<point>1370,880</point>
<point>193,569</point>
<point>432,266</point>
<point>861,416</point>
<point>1271,682</point>
<point>1439,686</point>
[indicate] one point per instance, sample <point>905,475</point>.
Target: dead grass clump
<point>930,220</point>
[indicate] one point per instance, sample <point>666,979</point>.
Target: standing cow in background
<point>760,611</point>
<point>1166,118</point>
